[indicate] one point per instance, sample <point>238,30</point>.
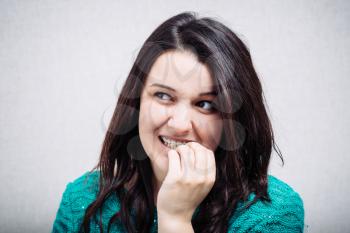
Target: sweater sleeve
<point>282,222</point>
<point>63,221</point>
<point>284,214</point>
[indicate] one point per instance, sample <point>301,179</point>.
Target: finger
<point>211,166</point>
<point>185,153</point>
<point>191,157</point>
<point>174,166</point>
<point>200,165</point>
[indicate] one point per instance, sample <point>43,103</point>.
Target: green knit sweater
<point>284,214</point>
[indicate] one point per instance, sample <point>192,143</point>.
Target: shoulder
<point>77,196</point>
<point>285,212</point>
<point>83,190</point>
<point>282,194</point>
<point>86,185</point>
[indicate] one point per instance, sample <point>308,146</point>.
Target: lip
<point>178,139</point>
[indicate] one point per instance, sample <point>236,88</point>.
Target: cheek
<point>152,114</point>
<point>151,119</point>
<point>211,133</point>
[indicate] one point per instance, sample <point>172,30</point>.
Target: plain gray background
<point>63,62</point>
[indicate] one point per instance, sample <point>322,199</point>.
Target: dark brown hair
<point>243,155</point>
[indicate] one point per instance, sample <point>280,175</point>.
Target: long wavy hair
<point>243,154</point>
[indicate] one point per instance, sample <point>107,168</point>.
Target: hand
<point>191,176</point>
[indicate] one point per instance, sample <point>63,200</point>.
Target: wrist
<point>173,224</point>
<point>182,219</point>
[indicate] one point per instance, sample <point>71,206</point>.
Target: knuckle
<point>187,182</point>
<point>212,178</point>
<point>202,181</point>
<point>182,148</point>
<point>208,150</point>
<point>192,143</point>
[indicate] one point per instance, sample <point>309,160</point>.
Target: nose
<point>180,120</point>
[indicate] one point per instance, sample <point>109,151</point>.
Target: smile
<point>170,143</point>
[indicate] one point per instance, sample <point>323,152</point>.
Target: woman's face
<point>173,105</point>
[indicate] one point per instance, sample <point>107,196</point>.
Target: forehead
<point>180,69</point>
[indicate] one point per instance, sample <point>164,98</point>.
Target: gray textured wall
<point>62,64</point>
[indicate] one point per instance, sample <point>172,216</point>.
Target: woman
<point>188,146</point>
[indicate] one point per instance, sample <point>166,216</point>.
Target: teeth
<point>171,143</point>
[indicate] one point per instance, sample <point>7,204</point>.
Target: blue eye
<point>160,94</point>
<point>206,105</point>
<point>210,104</point>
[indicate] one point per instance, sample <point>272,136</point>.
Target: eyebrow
<point>213,93</point>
